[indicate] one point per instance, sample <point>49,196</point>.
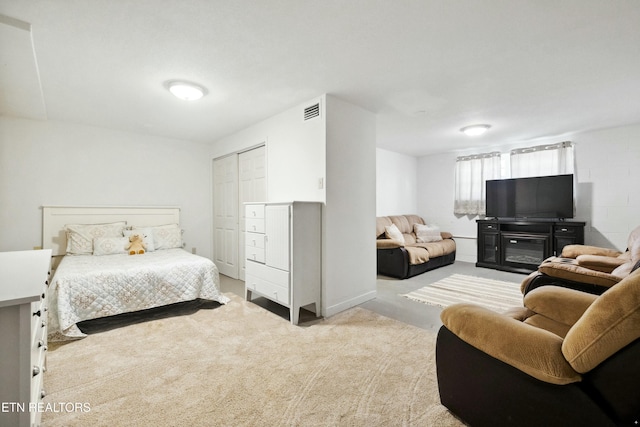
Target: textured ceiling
<point>531,69</point>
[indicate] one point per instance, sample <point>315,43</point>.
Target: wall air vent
<point>312,112</point>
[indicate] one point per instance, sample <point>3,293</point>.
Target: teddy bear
<point>136,245</point>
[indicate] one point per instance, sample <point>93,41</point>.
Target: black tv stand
<point>520,245</point>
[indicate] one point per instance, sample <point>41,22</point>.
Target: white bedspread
<point>88,287</point>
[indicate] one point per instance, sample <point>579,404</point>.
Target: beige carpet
<point>496,295</point>
<point>241,365</point>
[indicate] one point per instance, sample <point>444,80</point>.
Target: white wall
<point>294,152</point>
<point>339,149</point>
<point>606,174</point>
<point>396,183</point>
<point>54,163</point>
<point>435,203</point>
<point>349,219</point>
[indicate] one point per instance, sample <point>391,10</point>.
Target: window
<point>471,174</point>
<point>553,159</point>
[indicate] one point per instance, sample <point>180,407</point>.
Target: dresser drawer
<point>254,240</point>
<point>254,225</point>
<point>37,375</point>
<point>254,211</point>
<point>274,292</point>
<point>254,254</point>
<point>38,317</point>
<point>270,274</point>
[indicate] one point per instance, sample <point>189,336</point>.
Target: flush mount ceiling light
<point>186,90</point>
<point>475,130</point>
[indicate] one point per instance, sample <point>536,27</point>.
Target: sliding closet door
<point>253,188</point>
<point>237,178</point>
<point>225,215</point>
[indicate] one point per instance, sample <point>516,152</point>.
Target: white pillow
<point>80,236</point>
<point>110,245</point>
<point>164,236</point>
<point>427,233</point>
<point>392,232</point>
<point>147,237</point>
<point>167,238</point>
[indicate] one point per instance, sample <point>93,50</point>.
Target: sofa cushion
<point>556,308</point>
<point>572,251</point>
<point>392,232</point>
<point>534,351</point>
<point>417,255</point>
<point>388,244</point>
<point>405,225</point>
<point>600,263</point>
<point>381,223</point>
<point>402,222</point>
<point>578,274</point>
<point>436,249</point>
<point>608,325</point>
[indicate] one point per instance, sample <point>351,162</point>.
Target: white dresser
<point>283,251</point>
<point>24,281</point>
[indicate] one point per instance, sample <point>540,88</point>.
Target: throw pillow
<point>427,233</point>
<point>109,245</point>
<point>392,232</point>
<point>80,236</point>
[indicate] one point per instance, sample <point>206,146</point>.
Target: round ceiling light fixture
<point>186,90</point>
<point>475,130</point>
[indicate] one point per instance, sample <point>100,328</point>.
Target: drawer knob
<point>40,343</point>
<point>43,295</point>
<point>36,370</point>
<point>42,394</point>
<point>37,313</point>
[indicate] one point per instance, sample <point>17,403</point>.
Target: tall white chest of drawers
<point>284,253</point>
<point>24,280</point>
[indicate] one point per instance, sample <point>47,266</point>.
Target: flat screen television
<point>535,197</point>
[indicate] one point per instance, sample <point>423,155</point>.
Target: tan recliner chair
<point>587,268</point>
<point>565,358</point>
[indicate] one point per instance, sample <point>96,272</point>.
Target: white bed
<point>87,286</point>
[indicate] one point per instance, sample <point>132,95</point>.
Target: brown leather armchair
<point>565,358</point>
<point>587,268</point>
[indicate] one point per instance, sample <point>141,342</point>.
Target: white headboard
<point>54,218</point>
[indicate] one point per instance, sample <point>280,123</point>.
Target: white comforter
<point>87,287</point>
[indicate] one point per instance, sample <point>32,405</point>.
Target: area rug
<point>242,365</point>
<point>496,295</point>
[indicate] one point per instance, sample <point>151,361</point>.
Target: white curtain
<point>553,159</point>
<point>471,174</point>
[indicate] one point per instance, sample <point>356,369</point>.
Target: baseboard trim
<point>344,305</point>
